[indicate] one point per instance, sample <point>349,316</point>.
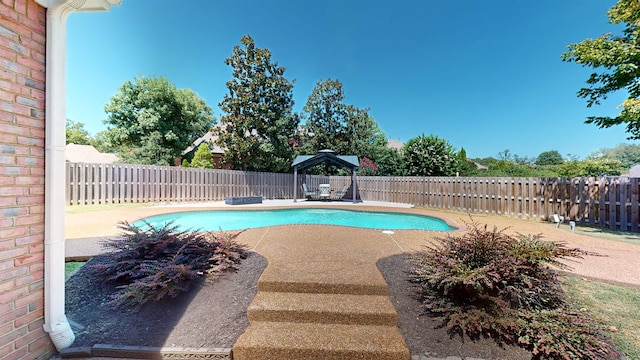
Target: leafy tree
<point>326,117</point>
<point>344,128</point>
<point>429,156</point>
<point>76,133</point>
<point>202,158</point>
<point>462,154</point>
<point>591,167</point>
<point>627,154</point>
<point>150,121</point>
<point>389,160</point>
<point>616,59</point>
<point>101,143</point>
<point>258,122</point>
<point>514,167</point>
<point>505,155</point>
<point>523,160</point>
<point>551,157</point>
<point>466,167</point>
<point>361,133</point>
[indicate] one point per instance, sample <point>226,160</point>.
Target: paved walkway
<point>321,296</point>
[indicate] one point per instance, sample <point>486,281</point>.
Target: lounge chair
<point>307,193</point>
<point>557,219</point>
<point>340,193</point>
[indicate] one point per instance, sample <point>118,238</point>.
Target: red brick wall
<point>22,126</point>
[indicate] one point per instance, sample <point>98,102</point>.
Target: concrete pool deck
<point>337,265</point>
<point>97,222</point>
<point>84,230</point>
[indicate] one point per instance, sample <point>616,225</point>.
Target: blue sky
<point>485,75</point>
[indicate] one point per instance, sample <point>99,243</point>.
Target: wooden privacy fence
<point>123,183</point>
<point>611,202</point>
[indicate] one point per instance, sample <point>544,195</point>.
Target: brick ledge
<point>144,352</point>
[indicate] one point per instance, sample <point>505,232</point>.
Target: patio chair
<point>307,193</point>
<point>325,191</point>
<point>340,193</point>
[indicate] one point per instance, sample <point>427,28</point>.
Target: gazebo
<point>303,162</point>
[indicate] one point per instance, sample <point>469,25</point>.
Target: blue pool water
<point>215,220</point>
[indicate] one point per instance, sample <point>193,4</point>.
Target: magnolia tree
<point>258,123</point>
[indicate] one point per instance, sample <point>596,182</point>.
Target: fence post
<point>633,183</point>
<point>611,199</point>
<point>623,183</point>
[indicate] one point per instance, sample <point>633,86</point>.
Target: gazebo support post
<point>295,184</point>
<point>353,185</point>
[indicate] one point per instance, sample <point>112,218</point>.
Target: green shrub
<point>153,263</point>
<point>490,284</point>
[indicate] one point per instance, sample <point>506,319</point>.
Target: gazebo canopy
<point>302,162</point>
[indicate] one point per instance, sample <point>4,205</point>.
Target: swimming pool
<point>214,220</point>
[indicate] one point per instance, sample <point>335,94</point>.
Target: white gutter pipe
<point>55,320</point>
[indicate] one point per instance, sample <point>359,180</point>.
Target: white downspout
<point>55,320</point>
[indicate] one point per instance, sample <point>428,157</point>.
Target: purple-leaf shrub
<point>486,283</point>
<point>161,261</point>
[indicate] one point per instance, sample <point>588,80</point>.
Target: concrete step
<point>285,340</point>
<point>317,277</point>
<point>322,288</point>
<point>322,308</point>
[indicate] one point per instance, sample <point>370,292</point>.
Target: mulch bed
<point>213,315</point>
<point>423,334</point>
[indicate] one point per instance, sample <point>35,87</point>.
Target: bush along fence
<point>609,202</point>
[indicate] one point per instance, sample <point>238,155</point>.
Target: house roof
<point>307,161</point>
<point>634,171</point>
<point>395,144</point>
<point>88,154</point>
<point>208,138</point>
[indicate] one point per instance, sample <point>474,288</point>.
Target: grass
<point>615,307</point>
<point>71,267</point>
<point>78,209</point>
<point>608,234</point>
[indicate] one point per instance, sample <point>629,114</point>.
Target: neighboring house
<point>395,144</point>
<point>32,72</point>
<point>217,153</point>
<point>634,172</point>
<point>88,154</point>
